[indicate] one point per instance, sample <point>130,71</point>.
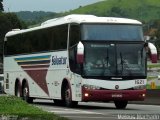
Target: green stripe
<point>44,57</point>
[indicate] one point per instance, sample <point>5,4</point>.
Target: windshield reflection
<point>114,60</point>
<point>112,32</point>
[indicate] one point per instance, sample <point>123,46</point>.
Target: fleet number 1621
<point>139,82</point>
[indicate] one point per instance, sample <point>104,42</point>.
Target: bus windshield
<point>112,32</point>
<point>114,60</point>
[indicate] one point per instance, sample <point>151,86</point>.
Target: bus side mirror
<point>152,52</point>
<point>80,53</point>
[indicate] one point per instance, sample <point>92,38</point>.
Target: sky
<point>44,5</point>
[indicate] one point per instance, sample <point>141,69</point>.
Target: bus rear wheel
<point>68,98</point>
<point>120,104</point>
<point>17,90</point>
<point>26,94</point>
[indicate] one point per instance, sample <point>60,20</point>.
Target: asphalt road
<point>102,111</point>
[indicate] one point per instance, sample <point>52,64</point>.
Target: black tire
<point>26,94</point>
<point>68,98</point>
<point>120,104</point>
<point>17,90</point>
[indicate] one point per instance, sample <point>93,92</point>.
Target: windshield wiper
<point>107,58</point>
<point>121,61</point>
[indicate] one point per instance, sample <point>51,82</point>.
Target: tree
<point>117,12</point>
<point>158,38</point>
<point>1,6</point>
<point>8,21</point>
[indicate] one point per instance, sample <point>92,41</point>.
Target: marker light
<point>86,94</point>
<point>143,95</point>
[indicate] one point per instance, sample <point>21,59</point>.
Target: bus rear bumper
<point>112,95</point>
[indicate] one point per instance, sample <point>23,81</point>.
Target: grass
<point>15,107</point>
<point>152,77</point>
<point>153,65</point>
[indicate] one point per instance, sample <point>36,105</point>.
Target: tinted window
<point>13,44</point>
<point>54,38</point>
<point>112,32</point>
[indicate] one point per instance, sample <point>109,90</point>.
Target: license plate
<point>117,95</point>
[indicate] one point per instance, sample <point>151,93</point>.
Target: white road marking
<point>85,117</point>
<point>145,105</point>
<point>73,111</point>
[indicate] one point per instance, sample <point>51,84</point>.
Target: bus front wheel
<point>120,104</point>
<point>68,98</point>
<point>26,94</point>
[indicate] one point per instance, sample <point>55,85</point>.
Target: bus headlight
<point>91,87</point>
<point>140,87</point>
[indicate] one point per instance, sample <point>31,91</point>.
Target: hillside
<point>34,17</point>
<point>30,16</point>
<point>144,10</point>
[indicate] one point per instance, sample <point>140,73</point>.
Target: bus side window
<point>58,37</point>
<point>13,44</point>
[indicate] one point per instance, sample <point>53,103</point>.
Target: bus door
<point>77,86</point>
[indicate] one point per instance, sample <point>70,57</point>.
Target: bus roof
<point>75,18</point>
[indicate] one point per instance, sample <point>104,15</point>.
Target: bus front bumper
<point>112,95</point>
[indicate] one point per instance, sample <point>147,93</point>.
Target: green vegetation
<point>149,78</point>
<point>8,21</point>
<point>1,5</point>
<point>13,106</point>
<point>158,87</point>
<point>153,81</point>
<point>32,18</point>
<point>148,86</point>
<point>153,65</point>
<point>144,10</point>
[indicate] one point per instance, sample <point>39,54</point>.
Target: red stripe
<point>39,76</point>
<point>37,66</point>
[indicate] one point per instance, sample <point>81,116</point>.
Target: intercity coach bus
<point>78,58</point>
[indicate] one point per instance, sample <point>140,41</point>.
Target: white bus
<point>78,58</point>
